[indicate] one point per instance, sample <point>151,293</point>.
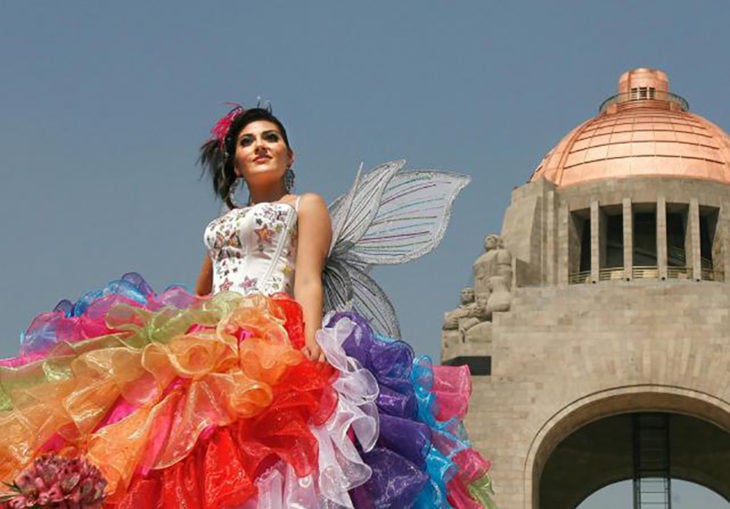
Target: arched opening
<point>685,495</point>
<point>701,460</point>
<point>649,449</point>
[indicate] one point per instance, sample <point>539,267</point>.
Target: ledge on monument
<point>479,365</point>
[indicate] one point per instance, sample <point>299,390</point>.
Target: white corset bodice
<point>253,249</point>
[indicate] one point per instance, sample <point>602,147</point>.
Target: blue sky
<point>104,105</point>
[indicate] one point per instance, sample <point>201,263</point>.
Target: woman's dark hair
<point>217,158</point>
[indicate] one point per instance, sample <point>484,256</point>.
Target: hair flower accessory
<point>54,481</point>
<point>220,129</point>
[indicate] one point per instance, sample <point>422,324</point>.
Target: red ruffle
<point>222,468</point>
<point>211,477</point>
<point>291,311</point>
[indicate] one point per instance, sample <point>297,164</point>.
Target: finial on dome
<point>643,87</point>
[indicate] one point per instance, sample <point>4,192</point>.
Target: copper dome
<point>642,131</point>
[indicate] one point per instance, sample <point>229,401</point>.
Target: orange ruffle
<point>175,400</point>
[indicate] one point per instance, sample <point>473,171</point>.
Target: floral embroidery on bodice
<point>253,249</point>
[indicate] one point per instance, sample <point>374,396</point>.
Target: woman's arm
<point>315,234</point>
<point>204,285</point>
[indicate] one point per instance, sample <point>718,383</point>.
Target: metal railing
<point>657,95</point>
<point>679,272</point>
<point>644,272</point>
<point>578,278</point>
<point>712,275</point>
<point>611,274</point>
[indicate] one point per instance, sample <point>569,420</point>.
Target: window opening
<point>614,242</point>
<point>706,238</point>
<point>676,235</point>
<point>645,252</point>
<point>585,245</point>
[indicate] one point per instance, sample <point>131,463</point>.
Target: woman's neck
<point>268,195</point>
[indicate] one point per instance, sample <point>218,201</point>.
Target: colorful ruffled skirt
<point>206,402</point>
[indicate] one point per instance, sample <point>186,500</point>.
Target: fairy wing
<point>389,216</point>
<point>353,213</point>
<point>411,220</point>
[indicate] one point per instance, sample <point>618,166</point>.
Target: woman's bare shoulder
<point>312,203</point>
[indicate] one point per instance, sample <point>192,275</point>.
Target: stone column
<point>694,238</point>
<point>595,240</point>
<point>563,244</point>
<point>550,238</point>
<point>628,228</point>
<point>724,231</point>
<point>661,236</point>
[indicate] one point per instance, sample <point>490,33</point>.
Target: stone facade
<point>563,357</point>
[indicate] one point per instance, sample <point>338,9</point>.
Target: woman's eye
<point>246,141</point>
<point>272,137</point>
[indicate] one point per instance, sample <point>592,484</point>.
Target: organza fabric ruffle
<point>422,457</point>
<point>172,388</point>
<point>405,447</point>
<point>208,402</point>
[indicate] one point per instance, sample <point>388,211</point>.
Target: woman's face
<point>261,152</point>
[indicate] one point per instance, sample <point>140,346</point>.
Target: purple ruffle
<point>399,460</point>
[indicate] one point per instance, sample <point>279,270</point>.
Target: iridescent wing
<point>371,302</point>
<point>412,217</point>
<point>353,212</point>
<point>388,216</point>
<point>337,286</point>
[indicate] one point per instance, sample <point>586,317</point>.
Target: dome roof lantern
<point>643,88</point>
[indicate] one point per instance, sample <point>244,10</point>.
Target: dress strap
<point>296,203</point>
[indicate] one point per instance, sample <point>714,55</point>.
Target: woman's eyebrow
<point>268,131</point>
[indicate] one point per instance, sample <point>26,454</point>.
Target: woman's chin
<point>263,176</point>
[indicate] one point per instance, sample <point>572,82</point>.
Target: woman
<point>223,399</point>
<point>262,157</point>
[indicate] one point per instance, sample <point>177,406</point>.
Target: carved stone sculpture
<point>470,323</point>
<point>480,333</point>
<point>478,313</point>
<point>496,261</point>
<point>485,266</point>
<point>503,261</point>
<point>500,297</point>
<point>465,309</point>
<point>470,314</point>
<point>478,329</point>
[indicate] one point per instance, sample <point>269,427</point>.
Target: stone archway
<point>601,453</point>
<point>573,453</point>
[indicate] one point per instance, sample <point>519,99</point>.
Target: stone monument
<point>607,311</point>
